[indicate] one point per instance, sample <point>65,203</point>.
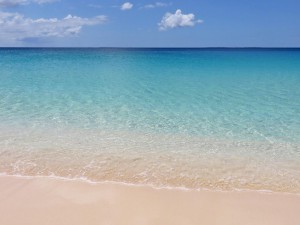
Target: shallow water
<point>218,119</point>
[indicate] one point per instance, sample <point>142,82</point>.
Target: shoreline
<point>137,185</point>
<point>58,201</point>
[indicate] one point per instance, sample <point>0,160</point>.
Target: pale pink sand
<point>43,201</point>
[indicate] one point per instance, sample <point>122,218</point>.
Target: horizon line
<point>154,47</point>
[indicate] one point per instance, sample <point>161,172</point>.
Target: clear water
<point>220,119</point>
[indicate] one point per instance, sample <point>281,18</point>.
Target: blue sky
<point>147,23</point>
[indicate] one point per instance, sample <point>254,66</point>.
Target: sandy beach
<point>30,201</point>
<point>149,112</point>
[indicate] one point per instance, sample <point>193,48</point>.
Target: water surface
<point>196,118</point>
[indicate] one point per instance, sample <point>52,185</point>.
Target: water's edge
<point>83,180</point>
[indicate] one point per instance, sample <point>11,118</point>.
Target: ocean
<point>217,119</point>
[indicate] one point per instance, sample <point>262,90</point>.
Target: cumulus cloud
<point>178,19</point>
<point>11,3</point>
<point>126,6</point>
<point>17,27</point>
<point>156,5</point>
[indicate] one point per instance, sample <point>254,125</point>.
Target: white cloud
<point>11,3</point>
<point>156,5</point>
<point>16,27</point>
<point>126,6</point>
<point>170,21</point>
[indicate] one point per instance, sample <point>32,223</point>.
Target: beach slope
<point>30,201</point>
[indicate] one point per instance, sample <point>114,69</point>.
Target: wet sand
<point>36,201</point>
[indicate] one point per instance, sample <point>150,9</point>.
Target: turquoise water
<point>116,110</point>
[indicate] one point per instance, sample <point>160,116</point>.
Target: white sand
<point>43,201</point>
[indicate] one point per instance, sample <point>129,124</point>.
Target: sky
<point>150,23</point>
